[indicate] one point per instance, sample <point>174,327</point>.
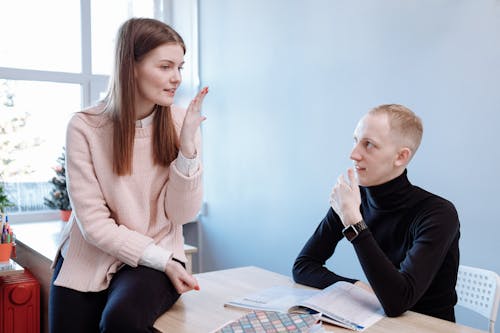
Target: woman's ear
<point>404,157</point>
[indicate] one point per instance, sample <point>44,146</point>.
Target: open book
<point>342,304</point>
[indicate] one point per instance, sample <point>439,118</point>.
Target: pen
<point>5,231</point>
<point>7,235</point>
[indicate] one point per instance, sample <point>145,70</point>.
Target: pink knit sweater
<point>116,217</point>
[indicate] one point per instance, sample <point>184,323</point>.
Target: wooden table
<point>204,311</point>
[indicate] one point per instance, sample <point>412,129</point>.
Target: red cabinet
<point>19,303</point>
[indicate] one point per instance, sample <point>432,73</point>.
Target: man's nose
<point>355,155</point>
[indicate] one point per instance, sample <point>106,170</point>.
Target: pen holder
<point>5,251</point>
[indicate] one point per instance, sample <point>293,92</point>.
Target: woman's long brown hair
<point>135,39</point>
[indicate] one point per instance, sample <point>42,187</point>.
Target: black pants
<point>133,301</point>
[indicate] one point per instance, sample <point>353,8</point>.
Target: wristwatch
<point>352,231</point>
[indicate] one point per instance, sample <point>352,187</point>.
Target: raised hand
<point>345,199</point>
<point>192,121</point>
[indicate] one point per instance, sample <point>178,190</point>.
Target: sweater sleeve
<point>309,267</point>
<point>184,194</point>
<point>93,216</point>
<point>398,289</point>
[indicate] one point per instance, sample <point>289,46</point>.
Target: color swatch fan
<point>273,322</point>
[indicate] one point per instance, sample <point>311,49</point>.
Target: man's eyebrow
<point>367,138</point>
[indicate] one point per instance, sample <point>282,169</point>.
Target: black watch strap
<point>352,231</point>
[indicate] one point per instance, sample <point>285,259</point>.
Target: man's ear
<point>404,157</point>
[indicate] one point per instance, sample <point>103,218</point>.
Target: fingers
<point>181,287</point>
<point>191,123</point>
<point>333,203</point>
<point>186,283</point>
<point>342,192</point>
<point>352,178</point>
<point>180,278</point>
<point>340,179</point>
<point>195,104</point>
<point>189,281</point>
<point>203,91</point>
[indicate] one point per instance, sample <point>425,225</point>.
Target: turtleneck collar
<point>390,195</point>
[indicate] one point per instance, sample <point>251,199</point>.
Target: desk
<point>189,250</point>
<point>203,311</point>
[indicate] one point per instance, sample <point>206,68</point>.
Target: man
<point>405,238</point>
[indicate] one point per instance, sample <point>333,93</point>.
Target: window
<point>33,37</point>
<point>52,65</point>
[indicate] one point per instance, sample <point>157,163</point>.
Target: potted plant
<point>59,198</point>
<point>4,200</point>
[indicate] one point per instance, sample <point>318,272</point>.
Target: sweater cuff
<point>182,182</point>
<point>187,166</point>
<point>155,257</point>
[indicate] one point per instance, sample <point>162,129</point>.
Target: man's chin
<point>362,181</point>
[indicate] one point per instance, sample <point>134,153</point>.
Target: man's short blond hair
<point>405,124</point>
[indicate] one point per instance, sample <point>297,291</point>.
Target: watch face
<point>350,232</point>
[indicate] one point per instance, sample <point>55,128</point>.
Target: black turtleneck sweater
<point>409,253</point>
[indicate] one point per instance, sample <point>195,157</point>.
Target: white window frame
<point>180,14</point>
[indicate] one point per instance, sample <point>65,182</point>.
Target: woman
<point>134,179</point>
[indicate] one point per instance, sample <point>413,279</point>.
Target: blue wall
<point>288,81</point>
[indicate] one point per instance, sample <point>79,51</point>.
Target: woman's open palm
<point>192,121</point>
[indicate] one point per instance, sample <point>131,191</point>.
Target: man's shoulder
<point>429,198</point>
<point>433,204</point>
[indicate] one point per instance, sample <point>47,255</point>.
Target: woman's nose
<point>176,76</point>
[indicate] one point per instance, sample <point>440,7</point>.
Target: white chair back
<point>479,290</point>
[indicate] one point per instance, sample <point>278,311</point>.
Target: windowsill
<point>31,217</point>
<point>41,237</point>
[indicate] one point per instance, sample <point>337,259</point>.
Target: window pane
<point>105,27</point>
<point>35,35</point>
<point>33,119</point>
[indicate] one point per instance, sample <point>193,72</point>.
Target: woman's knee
<point>119,317</point>
<point>137,296</point>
